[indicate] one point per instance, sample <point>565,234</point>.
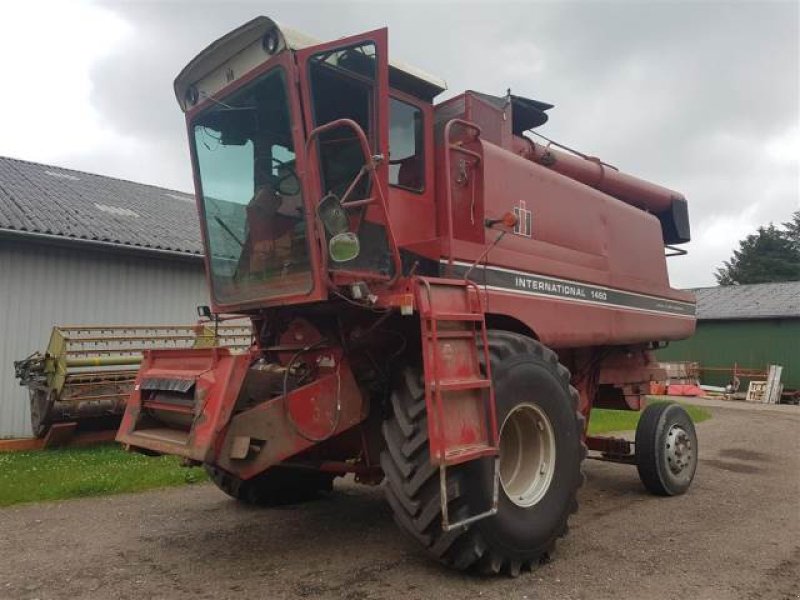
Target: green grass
<point>604,421</point>
<point>77,472</point>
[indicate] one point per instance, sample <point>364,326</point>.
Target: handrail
<point>369,167</point>
<point>448,185</point>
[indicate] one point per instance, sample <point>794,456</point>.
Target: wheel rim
<point>527,455</point>
<point>679,450</point>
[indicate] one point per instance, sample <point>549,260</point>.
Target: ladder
<point>459,398</point>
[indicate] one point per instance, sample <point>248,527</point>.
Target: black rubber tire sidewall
<point>522,532</point>
<point>651,463</point>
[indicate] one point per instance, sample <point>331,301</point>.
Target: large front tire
<point>276,486</point>
<point>540,459</point>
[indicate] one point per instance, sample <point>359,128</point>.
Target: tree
<point>793,230</point>
<point>770,255</point>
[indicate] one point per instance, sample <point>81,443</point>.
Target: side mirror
<point>344,246</point>
<point>204,312</point>
<point>332,215</point>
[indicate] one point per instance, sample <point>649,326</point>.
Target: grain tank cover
<point>526,112</point>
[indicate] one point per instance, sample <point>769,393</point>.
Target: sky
<point>702,97</point>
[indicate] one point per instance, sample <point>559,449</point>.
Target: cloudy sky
<point>702,97</point>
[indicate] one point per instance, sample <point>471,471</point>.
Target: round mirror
<point>332,215</point>
<point>344,246</point>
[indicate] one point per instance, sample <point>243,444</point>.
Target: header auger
<point>437,301</point>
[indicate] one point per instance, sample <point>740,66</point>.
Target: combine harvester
<point>437,300</point>
<point>82,381</point>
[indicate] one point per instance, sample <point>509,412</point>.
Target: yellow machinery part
<point>87,371</point>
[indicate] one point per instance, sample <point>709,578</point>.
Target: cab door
<point>348,79</point>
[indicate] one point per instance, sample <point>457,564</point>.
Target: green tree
<point>793,230</point>
<point>769,255</point>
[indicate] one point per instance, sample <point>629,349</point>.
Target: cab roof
<point>401,76</point>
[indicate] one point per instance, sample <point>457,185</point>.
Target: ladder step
<point>466,334</point>
<point>467,453</point>
<point>452,385</point>
<point>453,316</point>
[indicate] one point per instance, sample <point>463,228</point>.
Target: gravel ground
<point>736,534</point>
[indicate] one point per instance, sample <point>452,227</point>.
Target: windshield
<point>254,216</point>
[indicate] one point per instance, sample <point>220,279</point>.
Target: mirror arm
<point>353,185</point>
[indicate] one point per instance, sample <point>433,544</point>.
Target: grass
<point>102,470</point>
<point>78,472</point>
<point>604,421</point>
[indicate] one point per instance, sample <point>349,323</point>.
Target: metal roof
<point>44,200</point>
<point>755,301</point>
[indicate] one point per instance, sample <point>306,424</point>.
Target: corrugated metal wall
<point>41,286</point>
<point>753,344</point>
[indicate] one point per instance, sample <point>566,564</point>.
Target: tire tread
<point>412,482</point>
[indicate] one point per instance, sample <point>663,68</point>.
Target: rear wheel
<point>666,449</point>
<point>274,487</point>
<point>540,457</point>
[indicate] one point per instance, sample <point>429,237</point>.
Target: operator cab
<point>290,145</point>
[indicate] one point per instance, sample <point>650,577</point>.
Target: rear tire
<point>666,449</point>
<point>531,388</point>
<point>276,486</point>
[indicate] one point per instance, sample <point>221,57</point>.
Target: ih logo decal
<point>524,220</point>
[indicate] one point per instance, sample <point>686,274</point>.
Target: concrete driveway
<point>736,534</point>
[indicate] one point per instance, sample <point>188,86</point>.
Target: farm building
<point>77,248</point>
<point>750,326</point>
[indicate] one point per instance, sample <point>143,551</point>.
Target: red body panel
<point>288,426</point>
<point>216,375</point>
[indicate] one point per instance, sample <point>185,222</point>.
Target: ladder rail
<point>490,512</point>
<point>435,389</point>
<point>494,433</point>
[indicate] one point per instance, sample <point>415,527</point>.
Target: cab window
<point>406,162</point>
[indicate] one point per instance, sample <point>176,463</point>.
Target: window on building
<point>406,161</point>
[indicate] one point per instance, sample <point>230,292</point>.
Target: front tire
<point>276,486</point>
<point>540,458</point>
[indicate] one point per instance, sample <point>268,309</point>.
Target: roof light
<point>270,41</point>
<point>192,95</point>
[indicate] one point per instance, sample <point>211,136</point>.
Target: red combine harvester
<point>437,301</point>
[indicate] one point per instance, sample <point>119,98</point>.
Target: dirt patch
<point>733,536</point>
<point>744,454</point>
<point>782,581</point>
<point>733,467</point>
